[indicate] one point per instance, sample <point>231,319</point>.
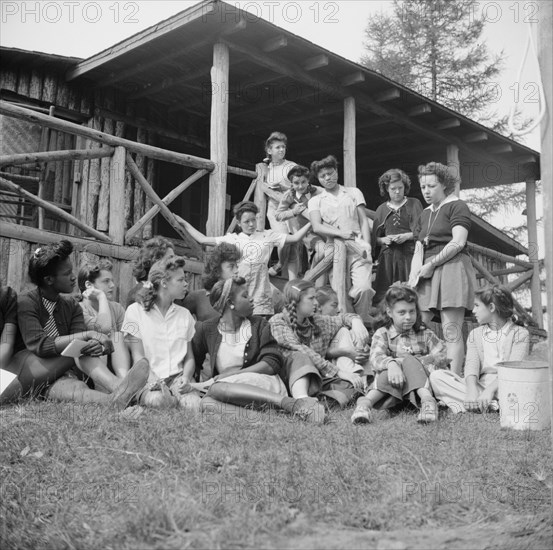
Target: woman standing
<point>441,270</point>
<point>393,231</point>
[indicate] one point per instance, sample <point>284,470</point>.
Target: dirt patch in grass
<point>72,477</point>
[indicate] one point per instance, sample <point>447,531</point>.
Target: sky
<point>83,28</point>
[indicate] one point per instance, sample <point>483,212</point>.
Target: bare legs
<point>452,325</point>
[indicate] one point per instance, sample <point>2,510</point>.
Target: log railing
<point>107,146</point>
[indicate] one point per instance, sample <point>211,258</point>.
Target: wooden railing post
<point>219,140</point>
<point>350,168</point>
<point>117,196</point>
<point>532,222</point>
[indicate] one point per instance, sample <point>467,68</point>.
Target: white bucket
<point>524,395</point>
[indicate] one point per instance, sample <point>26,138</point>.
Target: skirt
<point>394,264</point>
<point>416,377</point>
<point>452,285</point>
<point>297,365</point>
<point>272,383</point>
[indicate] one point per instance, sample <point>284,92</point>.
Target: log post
<point>339,276</point>
<point>219,140</point>
<point>117,196</point>
<point>139,196</point>
<point>545,59</point>
<point>105,175</point>
<point>350,168</point>
<point>454,165</point>
<point>532,223</point>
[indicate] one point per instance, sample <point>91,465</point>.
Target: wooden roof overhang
<point>281,81</point>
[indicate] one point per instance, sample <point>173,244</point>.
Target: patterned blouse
<point>315,347</point>
<point>390,345</point>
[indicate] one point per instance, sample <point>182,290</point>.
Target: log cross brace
<point>165,212</point>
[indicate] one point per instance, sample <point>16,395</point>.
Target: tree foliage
<point>435,47</point>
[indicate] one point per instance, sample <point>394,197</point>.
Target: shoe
<point>131,385</point>
<point>309,409</point>
<point>493,406</point>
<point>362,415</point>
<point>131,414</point>
<point>428,412</point>
<point>275,270</point>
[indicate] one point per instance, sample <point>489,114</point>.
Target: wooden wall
<point>15,254</point>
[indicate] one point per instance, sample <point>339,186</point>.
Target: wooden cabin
<point>173,119</point>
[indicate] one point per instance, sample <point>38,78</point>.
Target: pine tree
<point>435,47</point>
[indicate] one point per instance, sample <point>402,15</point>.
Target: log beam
<point>276,43</point>
<point>316,62</point>
<point>154,197</point>
<point>54,210</point>
<point>496,255</point>
<point>107,139</point>
<point>109,250</point>
<point>363,101</point>
<point>167,200</point>
<point>447,124</point>
<point>51,156</point>
<point>388,95</point>
<point>219,140</point>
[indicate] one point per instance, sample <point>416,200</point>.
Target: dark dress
<point>394,261</point>
<point>453,283</point>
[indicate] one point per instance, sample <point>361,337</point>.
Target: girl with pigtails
<point>304,336</point>
<point>245,360</point>
<point>501,336</point>
<point>51,325</point>
<point>160,331</point>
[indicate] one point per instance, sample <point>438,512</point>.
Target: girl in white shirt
<point>498,338</point>
<point>161,331</point>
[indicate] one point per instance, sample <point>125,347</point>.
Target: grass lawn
<point>74,477</point>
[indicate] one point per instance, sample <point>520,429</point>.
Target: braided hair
<point>45,260</point>
<point>293,292</point>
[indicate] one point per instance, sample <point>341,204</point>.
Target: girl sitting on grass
<point>342,350</point>
<point>152,250</point>
<point>245,359</point>
<point>304,336</point>
<point>161,331</point>
<point>500,337</point>
<point>221,264</point>
<point>49,322</point>
<point>11,388</point>
<point>102,313</point>
<point>403,353</point>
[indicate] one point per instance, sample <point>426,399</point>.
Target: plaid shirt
<point>315,347</point>
<point>390,345</point>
